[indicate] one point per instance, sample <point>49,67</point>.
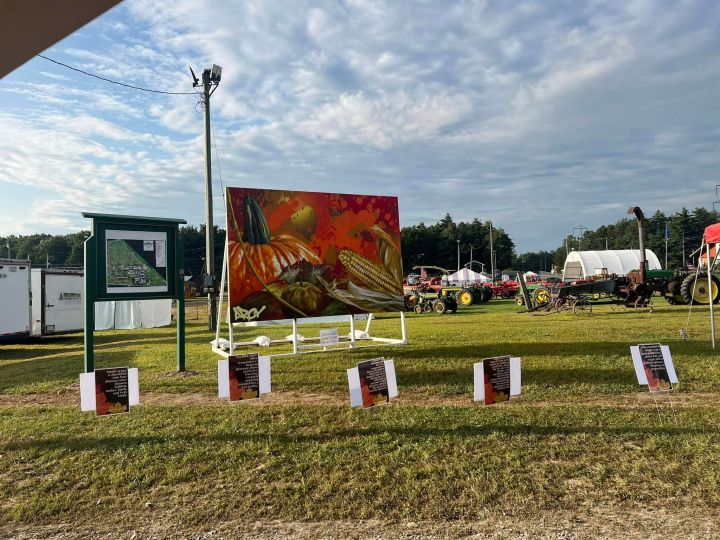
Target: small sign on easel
<point>497,379</point>
<point>109,391</point>
<point>244,376</point>
<point>654,366</point>
<point>372,383</point>
<point>329,337</point>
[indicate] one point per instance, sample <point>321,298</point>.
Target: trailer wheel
<point>696,291</point>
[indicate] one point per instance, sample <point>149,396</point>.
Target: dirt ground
<point>70,397</point>
<point>595,523</point>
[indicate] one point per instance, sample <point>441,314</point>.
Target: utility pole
<point>606,244</point>
<point>47,260</point>
<point>683,248</point>
<point>8,246</point>
<point>458,265</point>
<point>667,236</point>
<point>210,80</point>
<point>492,257</point>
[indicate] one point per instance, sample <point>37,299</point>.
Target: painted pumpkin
<point>266,256</point>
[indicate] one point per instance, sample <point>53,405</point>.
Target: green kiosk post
<point>133,258</point>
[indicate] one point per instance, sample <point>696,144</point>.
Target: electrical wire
<point>116,82</point>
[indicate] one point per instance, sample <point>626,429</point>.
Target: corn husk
<point>362,298</point>
<point>388,253</point>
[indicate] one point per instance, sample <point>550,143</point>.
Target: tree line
<point>439,245</point>
<point>422,244</point>
<point>684,230</point>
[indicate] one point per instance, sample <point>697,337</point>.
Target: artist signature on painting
<point>247,314</point>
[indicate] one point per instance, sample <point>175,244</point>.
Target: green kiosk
<point>133,258</point>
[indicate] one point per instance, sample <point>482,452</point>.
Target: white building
<point>581,264</point>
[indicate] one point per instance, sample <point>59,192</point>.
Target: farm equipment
<point>465,296</point>
<point>633,290</point>
<point>425,303</point>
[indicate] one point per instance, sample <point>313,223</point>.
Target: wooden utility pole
<point>210,79</point>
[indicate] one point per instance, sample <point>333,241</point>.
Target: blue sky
<point>538,115</point>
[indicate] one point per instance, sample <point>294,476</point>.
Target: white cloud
<point>528,113</point>
<point>385,121</point>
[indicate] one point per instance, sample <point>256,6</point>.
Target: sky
<point>540,116</point>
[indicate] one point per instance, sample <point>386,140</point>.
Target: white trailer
<point>57,301</point>
<point>14,298</point>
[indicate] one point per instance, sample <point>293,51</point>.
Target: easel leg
<point>404,330</point>
<point>222,293</point>
<point>367,326</point>
<point>294,336</point>
<point>352,331</point>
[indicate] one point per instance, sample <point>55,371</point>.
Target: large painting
<point>296,254</point>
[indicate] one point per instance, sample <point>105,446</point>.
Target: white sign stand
<point>353,340</point>
<point>356,391</point>
<point>224,376</point>
<point>87,390</point>
<point>479,379</point>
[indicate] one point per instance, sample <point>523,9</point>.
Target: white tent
<point>530,274</point>
<point>581,264</point>
<point>132,314</point>
<point>466,276</point>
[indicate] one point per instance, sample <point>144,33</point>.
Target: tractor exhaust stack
<point>641,232</point>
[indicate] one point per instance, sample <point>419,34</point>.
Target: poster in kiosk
<point>128,258</point>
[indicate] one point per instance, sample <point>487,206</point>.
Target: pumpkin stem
<point>252,266</point>
<point>256,226</point>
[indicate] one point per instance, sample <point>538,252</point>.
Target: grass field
<point>584,449</point>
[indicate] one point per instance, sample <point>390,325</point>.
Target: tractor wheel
<point>418,308</point>
<point>519,301</point>
<point>505,295</point>
<point>411,300</point>
<point>439,306</point>
<point>429,306</point>
<point>451,305</point>
<point>674,296</point>
<point>541,296</point>
<point>464,297</point>
<point>697,292</point>
<point>487,294</point>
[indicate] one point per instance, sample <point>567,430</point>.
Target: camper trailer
<point>14,298</point>
<point>57,301</point>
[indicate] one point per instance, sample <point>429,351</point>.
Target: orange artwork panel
<point>297,254</point>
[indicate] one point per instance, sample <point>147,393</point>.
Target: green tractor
<point>678,287</point>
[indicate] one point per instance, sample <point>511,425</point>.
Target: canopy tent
<point>465,276</point>
<point>530,274</point>
<point>581,264</point>
<point>132,314</point>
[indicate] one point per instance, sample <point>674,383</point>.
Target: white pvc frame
<point>310,345</point>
